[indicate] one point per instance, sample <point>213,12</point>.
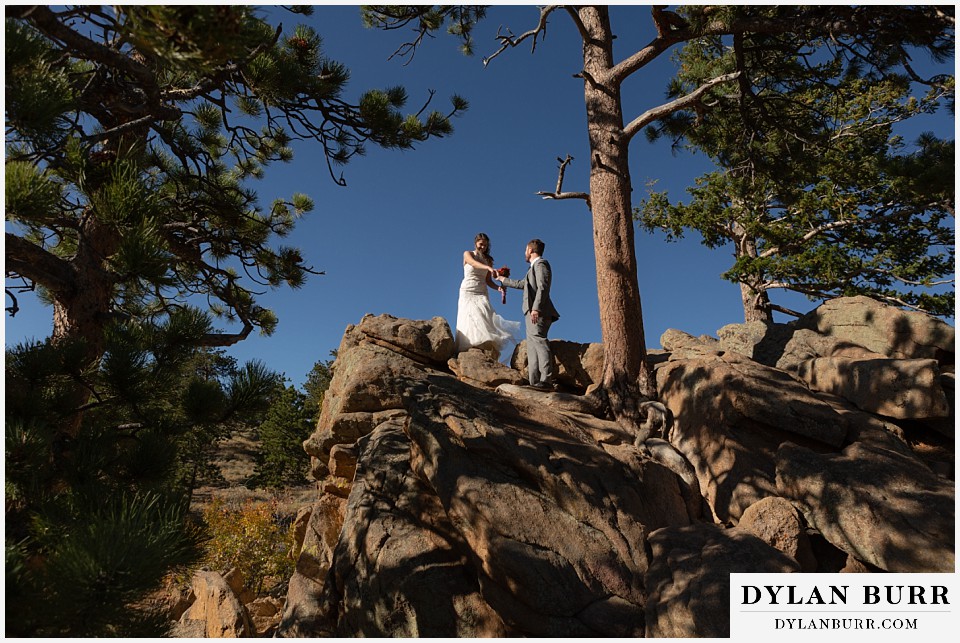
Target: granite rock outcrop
<point>456,502</point>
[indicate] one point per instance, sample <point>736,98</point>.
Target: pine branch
<point>48,23</point>
<point>683,102</point>
<point>843,223</point>
<point>218,77</point>
<point>214,340</point>
<point>785,311</point>
<point>909,282</point>
<point>32,262</point>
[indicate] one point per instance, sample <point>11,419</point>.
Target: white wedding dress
<point>477,324</point>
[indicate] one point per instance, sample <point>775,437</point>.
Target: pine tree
<point>132,135</point>
<point>281,459</point>
<point>813,190</point>
<point>94,522</point>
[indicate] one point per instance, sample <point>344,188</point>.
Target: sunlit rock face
<point>456,502</point>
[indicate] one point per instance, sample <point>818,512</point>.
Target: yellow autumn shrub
<point>250,538</point>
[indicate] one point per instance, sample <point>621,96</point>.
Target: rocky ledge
<point>454,502</point>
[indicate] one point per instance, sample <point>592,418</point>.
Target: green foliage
<point>95,517</point>
<point>813,189</point>
<point>132,134</point>
<point>250,538</point>
<point>281,459</point>
<point>426,19</point>
<point>43,93</point>
<point>288,422</point>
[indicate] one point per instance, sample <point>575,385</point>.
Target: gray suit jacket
<point>536,290</point>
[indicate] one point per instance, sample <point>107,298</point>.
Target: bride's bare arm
<point>470,259</point>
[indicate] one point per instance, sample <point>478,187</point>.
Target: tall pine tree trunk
<point>82,308</point>
<point>627,379</point>
<point>756,304</point>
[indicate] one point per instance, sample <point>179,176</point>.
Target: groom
<point>539,313</point>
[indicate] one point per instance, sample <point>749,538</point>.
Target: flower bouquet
<point>503,271</point>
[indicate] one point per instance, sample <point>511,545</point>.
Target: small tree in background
<point>251,539</point>
<point>281,459</point>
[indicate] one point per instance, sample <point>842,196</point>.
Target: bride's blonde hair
<point>485,256</point>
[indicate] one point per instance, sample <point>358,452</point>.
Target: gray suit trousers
<point>539,357</point>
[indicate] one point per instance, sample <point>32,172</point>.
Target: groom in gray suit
<point>539,313</point>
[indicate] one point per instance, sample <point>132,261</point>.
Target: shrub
<point>251,538</point>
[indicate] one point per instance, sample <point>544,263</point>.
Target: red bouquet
<point>501,273</point>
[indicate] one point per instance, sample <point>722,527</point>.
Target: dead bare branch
<point>508,41</point>
<point>559,194</point>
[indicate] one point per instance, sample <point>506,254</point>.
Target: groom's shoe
<point>544,386</point>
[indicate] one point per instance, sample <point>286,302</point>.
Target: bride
<point>477,325</point>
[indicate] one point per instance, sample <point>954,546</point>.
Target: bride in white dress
<point>477,324</point>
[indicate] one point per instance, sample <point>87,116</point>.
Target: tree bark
<point>81,308</point>
<point>756,304</point>
<point>627,380</point>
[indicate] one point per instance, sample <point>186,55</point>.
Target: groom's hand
<point>535,316</point>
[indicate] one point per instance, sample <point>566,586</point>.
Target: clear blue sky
<point>392,240</point>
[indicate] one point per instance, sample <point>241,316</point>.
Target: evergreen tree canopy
<point>132,133</point>
<point>287,423</point>
<point>814,190</point>
<point>94,521</point>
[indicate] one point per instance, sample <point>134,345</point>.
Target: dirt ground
<point>236,457</point>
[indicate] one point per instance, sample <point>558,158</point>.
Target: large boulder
<point>674,340</point>
<point>427,341</point>
<point>448,508</point>
<point>559,553</point>
<point>400,568</point>
<point>896,388</point>
<point>840,326</point>
<point>265,613</point>
<point>479,368</point>
<point>473,512</point>
<point>777,522</point>
<point>730,416</point>
<point>577,366</point>
<point>689,577</point>
<point>367,387</point>
<point>303,615</point>
<point>883,329</point>
<point>879,505</point>
<point>217,608</point>
<point>782,346</point>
